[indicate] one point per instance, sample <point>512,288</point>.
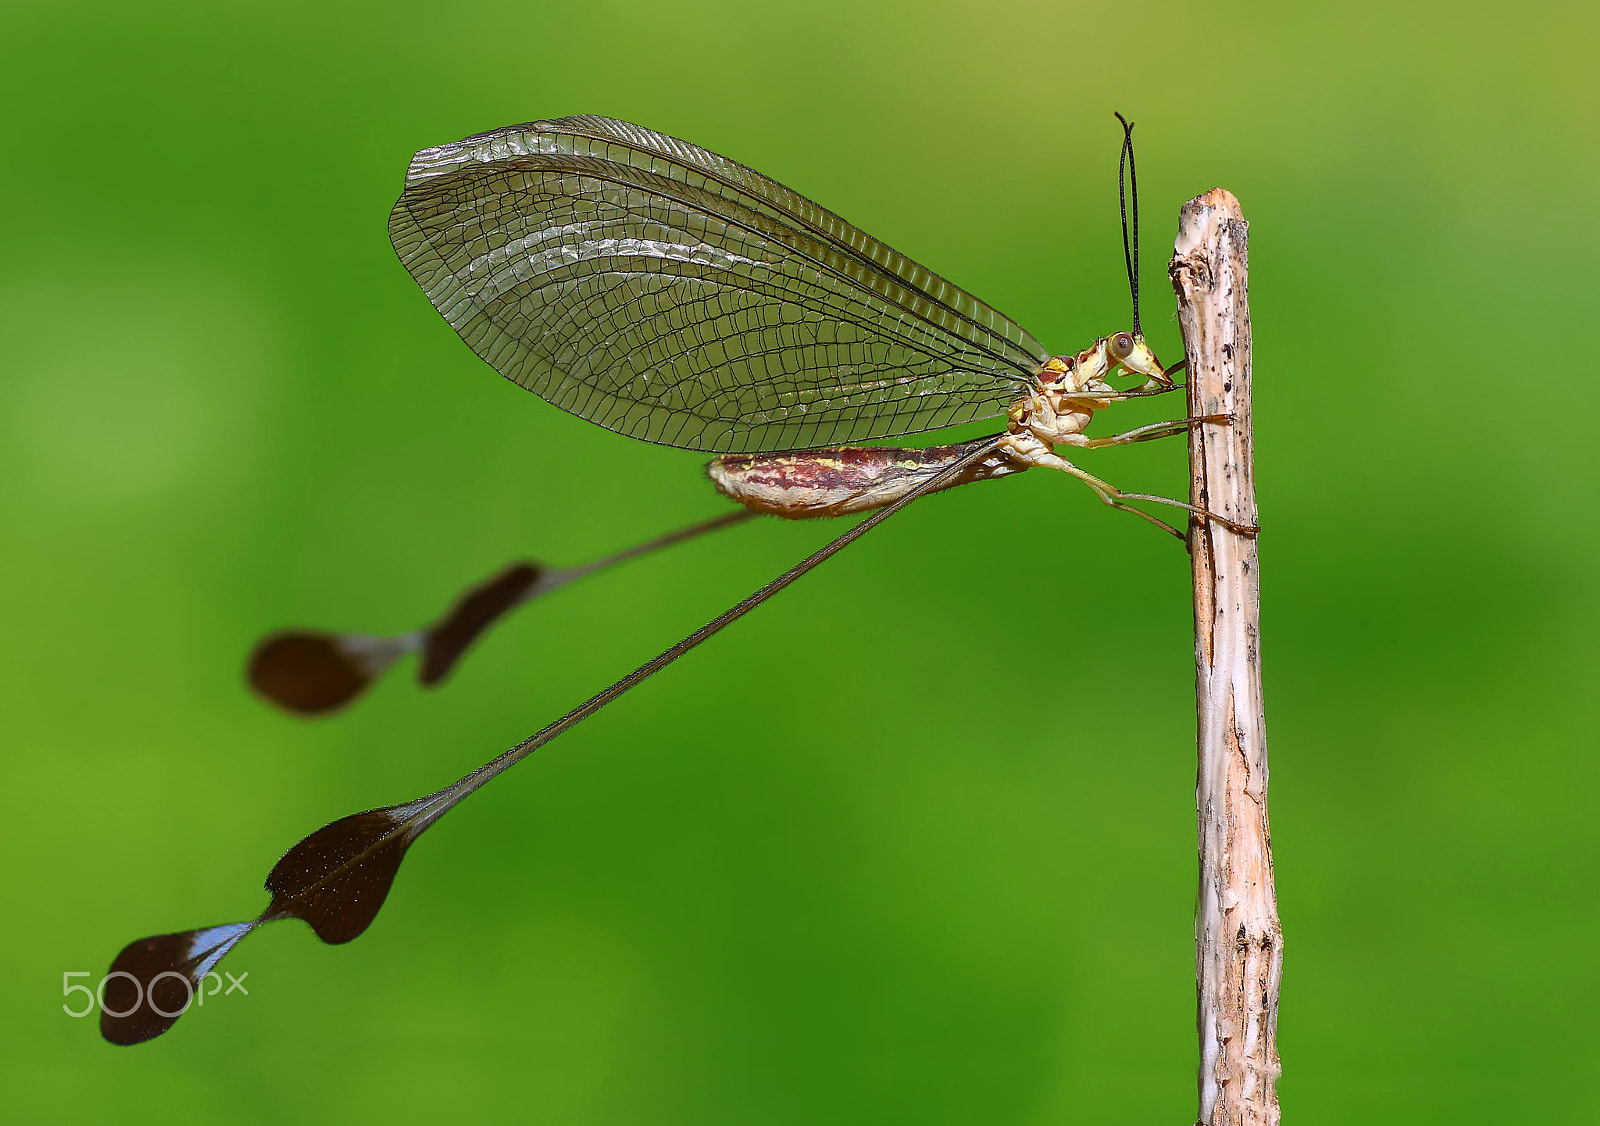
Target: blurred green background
<point>880,853</point>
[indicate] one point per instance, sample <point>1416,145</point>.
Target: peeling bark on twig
<point>1238,940</point>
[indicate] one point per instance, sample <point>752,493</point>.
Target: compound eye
<point>1121,346</point>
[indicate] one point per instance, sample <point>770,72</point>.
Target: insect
<point>670,294</point>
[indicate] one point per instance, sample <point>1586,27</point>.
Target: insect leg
<point>1116,498</point>
<point>1154,430</point>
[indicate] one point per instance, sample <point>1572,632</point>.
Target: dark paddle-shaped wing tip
<point>338,877</point>
<point>336,880</point>
<point>475,612</point>
<point>153,980</point>
<point>309,672</point>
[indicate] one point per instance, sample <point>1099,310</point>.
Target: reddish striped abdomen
<point>837,482</point>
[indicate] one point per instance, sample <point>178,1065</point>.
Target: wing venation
<point>670,294</point>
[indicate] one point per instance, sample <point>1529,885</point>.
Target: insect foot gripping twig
<point>1238,940</point>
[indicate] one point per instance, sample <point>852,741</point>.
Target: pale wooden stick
<point>1238,940</point>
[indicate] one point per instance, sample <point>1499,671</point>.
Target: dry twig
<point>1238,940</point>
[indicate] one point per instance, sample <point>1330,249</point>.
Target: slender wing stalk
<point>315,672</point>
<point>337,878</point>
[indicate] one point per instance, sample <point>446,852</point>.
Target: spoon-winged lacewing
<point>673,295</point>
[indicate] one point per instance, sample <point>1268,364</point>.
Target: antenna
<point>1130,247</point>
